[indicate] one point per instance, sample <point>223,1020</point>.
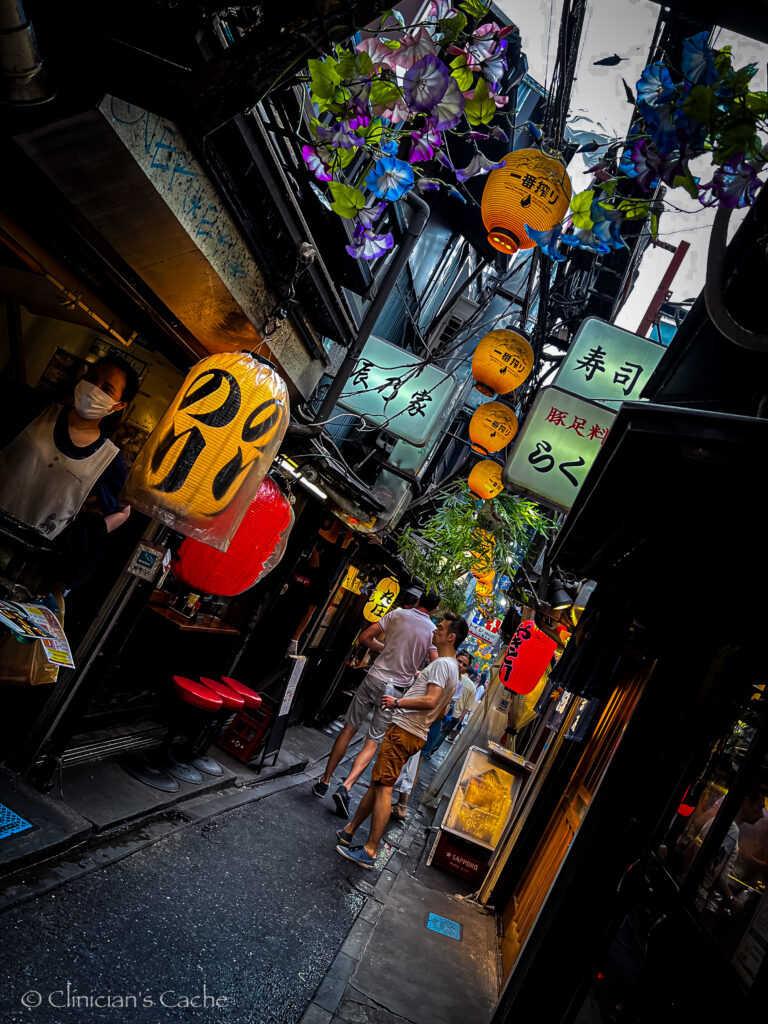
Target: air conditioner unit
<point>453,322</point>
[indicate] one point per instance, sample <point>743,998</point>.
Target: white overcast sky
<point>626,27</point>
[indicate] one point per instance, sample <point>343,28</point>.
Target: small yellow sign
<point>382,599</point>
<point>352,580</point>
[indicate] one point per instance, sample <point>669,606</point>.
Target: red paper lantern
<point>527,657</point>
<point>255,549</point>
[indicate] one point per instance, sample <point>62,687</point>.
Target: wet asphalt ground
<point>237,919</point>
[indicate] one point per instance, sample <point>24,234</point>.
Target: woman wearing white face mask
<point>49,470</point>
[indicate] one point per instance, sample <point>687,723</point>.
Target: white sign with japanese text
<point>607,364</point>
<point>395,390</point>
<point>558,443</point>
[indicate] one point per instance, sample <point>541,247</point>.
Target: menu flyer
<point>36,622</point>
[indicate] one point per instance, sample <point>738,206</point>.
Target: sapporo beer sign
<point>559,442</point>
<point>205,460</point>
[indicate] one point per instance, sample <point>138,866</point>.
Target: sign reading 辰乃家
<point>556,447</point>
<point>607,364</point>
<point>393,389</point>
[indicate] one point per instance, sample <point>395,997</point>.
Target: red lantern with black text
<point>255,549</point>
<point>529,652</point>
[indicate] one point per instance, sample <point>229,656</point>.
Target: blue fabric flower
<point>697,62</point>
<point>655,86</point>
<point>389,146</point>
<point>390,178</point>
<point>547,241</point>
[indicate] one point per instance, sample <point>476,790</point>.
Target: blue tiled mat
<point>444,926</point>
<point>11,822</point>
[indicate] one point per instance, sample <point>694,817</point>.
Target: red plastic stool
<point>251,698</point>
<point>201,708</point>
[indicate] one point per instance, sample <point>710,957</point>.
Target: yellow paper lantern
<point>485,480</point>
<point>531,188</point>
<point>483,589</point>
<point>483,576</point>
<point>501,362</point>
<point>492,427</point>
<point>205,460</point>
<point>382,599</point>
<point>483,549</point>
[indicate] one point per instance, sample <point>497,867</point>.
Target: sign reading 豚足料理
<point>558,443</point>
<point>395,390</point>
<point>607,364</point>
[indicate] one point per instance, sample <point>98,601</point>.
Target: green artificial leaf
<point>385,94</point>
<point>700,104</point>
<point>722,59</point>
<point>461,72</point>
<point>352,66</point>
<point>324,78</point>
<point>738,81</point>
<point>654,226</point>
<point>475,8</point>
<point>373,132</point>
<point>346,199</point>
<point>342,157</point>
<point>738,138</point>
<point>581,205</point>
<point>688,182</point>
<point>481,108</point>
<point>757,103</point>
<point>393,14</point>
<point>609,187</point>
<point>393,44</point>
<point>634,209</point>
<point>452,27</point>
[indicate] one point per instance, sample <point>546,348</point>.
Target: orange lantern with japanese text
<point>484,545</point>
<point>492,427</point>
<point>530,189</point>
<point>256,548</point>
<point>501,362</point>
<point>204,461</point>
<point>485,479</point>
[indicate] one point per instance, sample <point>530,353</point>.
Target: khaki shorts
<point>367,698</point>
<point>396,747</point>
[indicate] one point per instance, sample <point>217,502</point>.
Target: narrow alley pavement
<point>239,916</point>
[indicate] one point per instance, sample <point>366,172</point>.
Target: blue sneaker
<point>358,854</point>
<point>341,799</point>
<point>344,837</point>
<point>320,789</point>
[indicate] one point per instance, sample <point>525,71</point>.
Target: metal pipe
<point>24,80</point>
<point>715,285</point>
<point>412,235</point>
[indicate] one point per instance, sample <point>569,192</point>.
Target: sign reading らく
<point>556,447</point>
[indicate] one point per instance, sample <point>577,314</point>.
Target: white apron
<point>41,486</point>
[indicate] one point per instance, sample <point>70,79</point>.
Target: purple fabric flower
<point>369,246</point>
<point>390,178</point>
<point>499,134</point>
<point>654,86</point>
<point>547,241</point>
<point>371,212</point>
<point>477,166</point>
<point>427,185</point>
<point>439,9</point>
<point>340,134</point>
<point>643,157</point>
<point>443,160</point>
<point>697,63</point>
<point>424,144</point>
<point>317,160</point>
<point>380,54</point>
<point>425,83</point>
<point>448,111</point>
<point>735,184</point>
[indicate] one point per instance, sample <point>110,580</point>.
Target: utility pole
<point>663,292</point>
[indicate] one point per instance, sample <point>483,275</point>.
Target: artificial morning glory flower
<point>339,134</point>
<point>734,184</point>
<point>369,246</point>
<point>390,178</point>
<point>655,86</point>
<point>477,166</point>
<point>317,160</point>
<point>697,62</point>
<point>547,241</point>
<point>425,83</point>
<point>371,212</point>
<point>448,111</point>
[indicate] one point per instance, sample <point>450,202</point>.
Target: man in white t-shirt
<point>426,702</point>
<point>408,641</point>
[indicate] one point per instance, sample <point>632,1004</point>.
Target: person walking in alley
<point>408,640</point>
<point>412,717</point>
